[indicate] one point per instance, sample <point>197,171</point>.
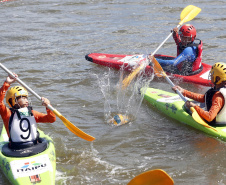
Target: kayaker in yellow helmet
<point>214,98</point>
<point>20,120</point>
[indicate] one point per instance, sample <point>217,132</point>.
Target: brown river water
<point>45,43</point>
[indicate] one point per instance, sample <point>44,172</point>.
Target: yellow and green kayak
<point>173,106</point>
<point>36,164</point>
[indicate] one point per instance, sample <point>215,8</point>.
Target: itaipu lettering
<point>33,168</point>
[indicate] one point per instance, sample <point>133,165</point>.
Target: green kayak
<point>36,164</point>
<point>172,105</point>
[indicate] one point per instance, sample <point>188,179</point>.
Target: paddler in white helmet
<point>214,98</point>
<point>20,120</point>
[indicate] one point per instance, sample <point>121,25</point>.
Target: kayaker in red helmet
<point>189,52</point>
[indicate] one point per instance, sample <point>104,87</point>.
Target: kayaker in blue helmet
<point>20,120</point>
<point>214,98</point>
<point>189,53</point>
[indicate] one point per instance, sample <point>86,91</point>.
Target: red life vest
<point>198,61</point>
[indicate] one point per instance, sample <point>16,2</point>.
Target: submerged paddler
<point>189,52</point>
<point>20,120</point>
<point>214,98</point>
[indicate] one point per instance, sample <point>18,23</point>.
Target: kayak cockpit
<point>25,152</point>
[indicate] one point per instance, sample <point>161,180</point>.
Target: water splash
<point>119,101</point>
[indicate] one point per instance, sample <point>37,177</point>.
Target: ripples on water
<point>45,42</point>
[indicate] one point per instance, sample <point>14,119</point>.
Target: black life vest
<point>208,102</point>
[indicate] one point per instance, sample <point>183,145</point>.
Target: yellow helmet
<point>218,69</point>
<point>13,93</point>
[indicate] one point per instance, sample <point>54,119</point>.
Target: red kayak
<point>129,61</point>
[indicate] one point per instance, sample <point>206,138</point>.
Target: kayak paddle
<point>160,73</point>
<point>187,14</point>
<point>152,177</point>
<point>67,123</point>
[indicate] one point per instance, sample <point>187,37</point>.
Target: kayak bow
<point>28,166</point>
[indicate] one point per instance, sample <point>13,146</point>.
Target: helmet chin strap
<point>17,103</point>
<point>217,79</point>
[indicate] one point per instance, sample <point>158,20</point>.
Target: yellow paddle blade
<point>152,177</point>
<point>73,128</point>
<point>158,68</point>
<point>189,13</point>
<point>198,119</point>
<point>131,76</point>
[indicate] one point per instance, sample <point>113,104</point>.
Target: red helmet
<point>188,30</point>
